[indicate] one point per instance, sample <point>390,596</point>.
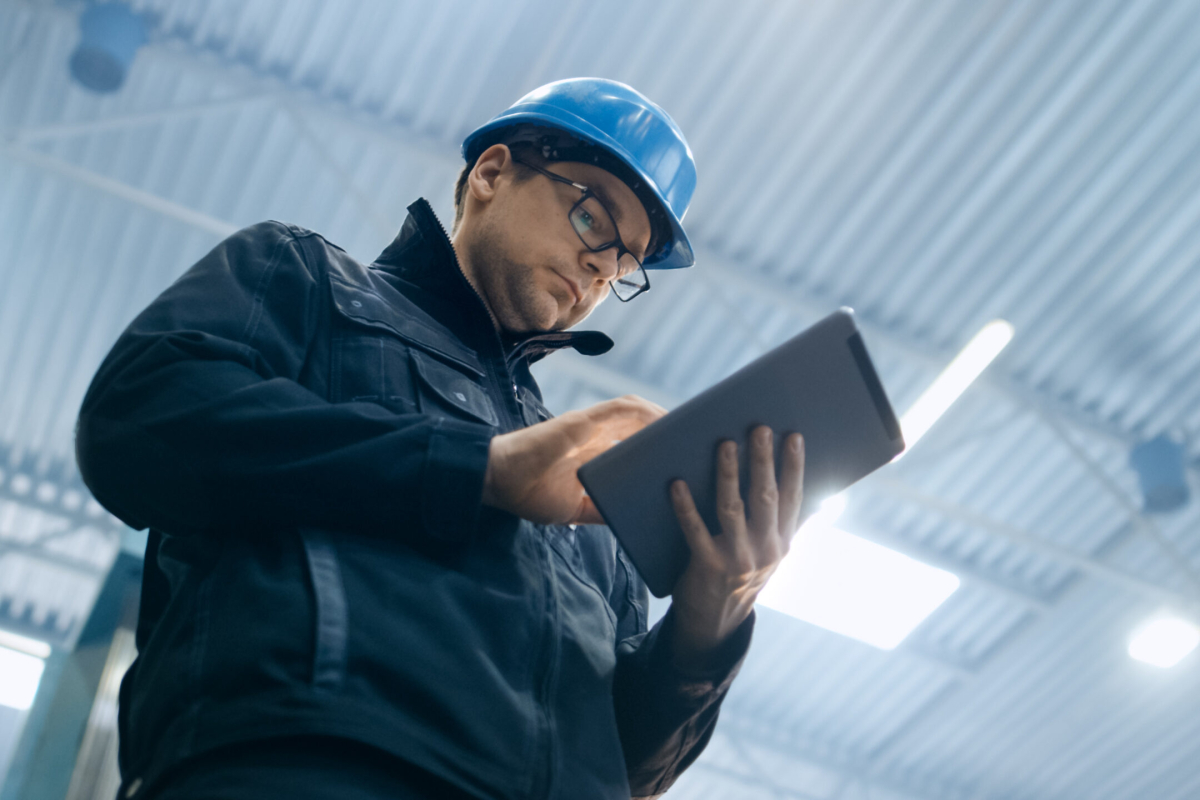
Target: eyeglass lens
<point>595,226</point>
<point>631,285</point>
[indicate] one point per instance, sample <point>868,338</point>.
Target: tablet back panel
<point>820,383</point>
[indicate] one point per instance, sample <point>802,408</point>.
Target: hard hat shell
<point>621,120</point>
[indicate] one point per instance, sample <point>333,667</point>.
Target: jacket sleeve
<point>665,716</point>
<point>196,420</point>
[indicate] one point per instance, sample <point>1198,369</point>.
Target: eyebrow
<point>606,198</point>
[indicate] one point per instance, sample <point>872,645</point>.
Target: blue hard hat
<point>622,121</point>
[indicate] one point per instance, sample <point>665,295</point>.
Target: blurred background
<point>934,165</point>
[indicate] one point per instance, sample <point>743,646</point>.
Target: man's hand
<point>717,591</point>
<point>531,472</point>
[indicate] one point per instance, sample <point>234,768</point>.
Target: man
<point>371,570</point>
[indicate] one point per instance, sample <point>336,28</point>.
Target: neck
<point>467,266</point>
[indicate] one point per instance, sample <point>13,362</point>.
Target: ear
<point>491,165</point>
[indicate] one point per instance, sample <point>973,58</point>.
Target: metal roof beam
<point>1140,521</point>
<point>1039,544</point>
<point>69,130</point>
<point>103,183</point>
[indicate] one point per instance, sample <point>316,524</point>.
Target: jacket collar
<point>422,255</point>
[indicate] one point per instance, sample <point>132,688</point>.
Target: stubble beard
<point>509,289</point>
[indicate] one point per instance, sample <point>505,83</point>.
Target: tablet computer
<point>821,383</point>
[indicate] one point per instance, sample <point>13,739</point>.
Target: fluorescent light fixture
<point>855,587</point>
<point>33,647</point>
<point>1164,641</point>
<point>20,674</point>
<point>954,380</point>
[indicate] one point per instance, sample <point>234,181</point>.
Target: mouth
<point>575,291</point>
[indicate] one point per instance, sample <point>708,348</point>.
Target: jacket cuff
<point>722,666</point>
<point>455,466</point>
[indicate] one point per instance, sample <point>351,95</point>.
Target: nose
<point>602,265</point>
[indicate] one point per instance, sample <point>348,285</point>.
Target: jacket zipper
<point>495,332</point>
<point>550,672</point>
<point>550,682</point>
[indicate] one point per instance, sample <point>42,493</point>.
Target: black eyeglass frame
<point>617,242</point>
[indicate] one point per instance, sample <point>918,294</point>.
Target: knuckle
<point>732,508</point>
<point>769,496</point>
<point>745,567</point>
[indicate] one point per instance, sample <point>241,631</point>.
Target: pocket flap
<point>400,316</point>
<point>454,390</point>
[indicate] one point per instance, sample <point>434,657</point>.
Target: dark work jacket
<point>306,439</point>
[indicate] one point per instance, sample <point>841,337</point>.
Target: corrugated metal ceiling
<point>933,165</point>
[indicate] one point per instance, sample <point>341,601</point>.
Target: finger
<point>791,485</point>
<point>593,430</point>
<point>662,412</point>
<point>764,493</point>
<point>731,512</point>
<point>698,537</point>
<point>629,406</point>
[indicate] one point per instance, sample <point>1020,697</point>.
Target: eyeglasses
<point>593,223</point>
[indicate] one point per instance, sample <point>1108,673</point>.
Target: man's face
<point>520,251</point>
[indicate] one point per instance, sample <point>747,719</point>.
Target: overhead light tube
<point>968,365</point>
<point>33,647</point>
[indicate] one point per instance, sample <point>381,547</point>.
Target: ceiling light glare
<point>20,674</point>
<point>34,647</point>
<point>828,512</point>
<point>968,365</point>
<point>849,585</point>
<point>1164,641</point>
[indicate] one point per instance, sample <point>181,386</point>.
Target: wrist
<point>707,656</point>
<point>698,641</point>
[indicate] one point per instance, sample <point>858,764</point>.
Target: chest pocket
<point>445,390</point>
<point>389,352</point>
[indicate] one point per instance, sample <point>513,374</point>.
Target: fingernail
<point>797,443</point>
